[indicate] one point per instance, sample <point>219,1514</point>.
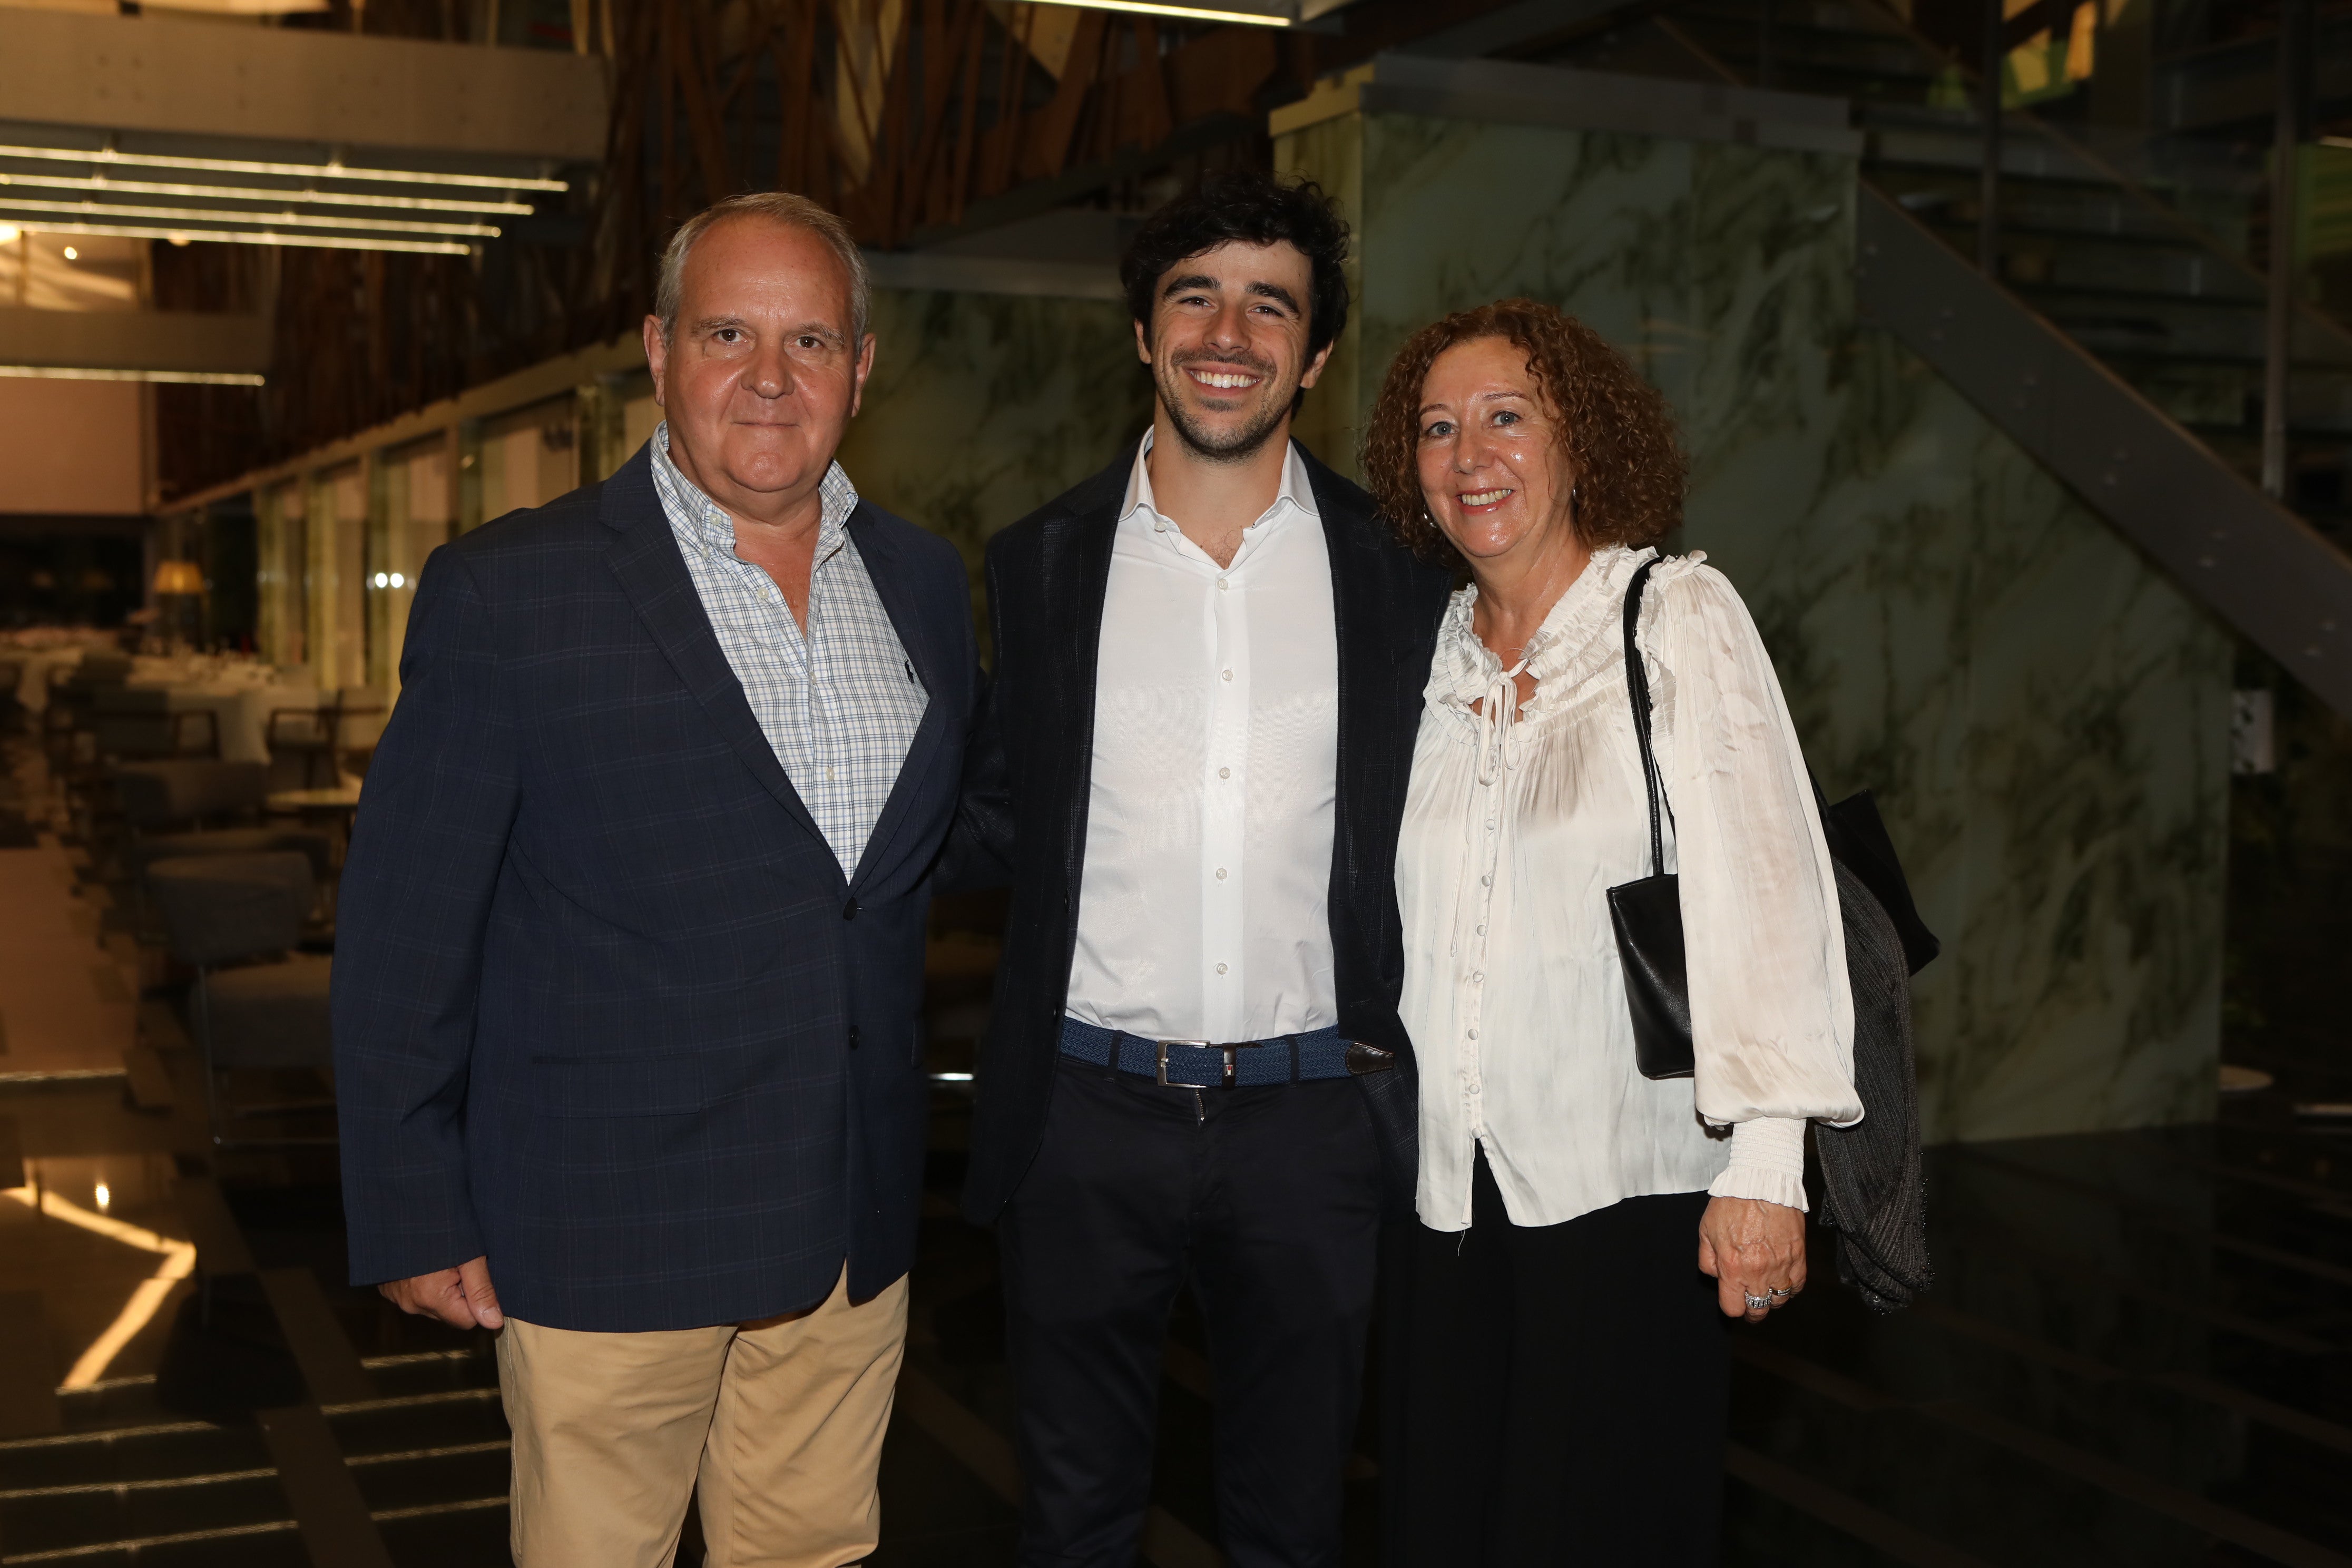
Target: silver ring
<point>1758,1303</point>
<point>1782,1294</point>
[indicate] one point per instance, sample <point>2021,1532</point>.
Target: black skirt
<point>1554,1395</point>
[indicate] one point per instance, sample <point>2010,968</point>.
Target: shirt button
<point>1486,881</point>
<point>1474,1033</point>
<point>1474,1086</point>
<point>1225,675</point>
<point>1222,585</point>
<point>1221,969</point>
<point>828,775</point>
<point>1477,977</point>
<point>1225,773</point>
<point>1221,873</point>
<point>1481,931</point>
<point>1158,528</point>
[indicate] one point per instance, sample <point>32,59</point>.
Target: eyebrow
<point>1483,397</point>
<point>1274,292</point>
<point>825,329</point>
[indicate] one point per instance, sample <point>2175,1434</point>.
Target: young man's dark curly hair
<point>1253,208</point>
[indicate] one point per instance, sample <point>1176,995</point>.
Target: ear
<point>656,356</point>
<point>1315,367</point>
<point>1143,342</point>
<point>864,369</point>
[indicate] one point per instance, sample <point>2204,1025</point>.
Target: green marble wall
<point>984,406</point>
<point>2042,715</point>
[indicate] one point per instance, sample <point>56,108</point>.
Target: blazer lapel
<point>1383,667</point>
<point>920,638</point>
<point>653,574</point>
<point>1076,550</point>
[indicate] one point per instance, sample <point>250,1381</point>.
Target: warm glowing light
<point>105,1195</point>
<point>331,171</point>
<point>290,219</point>
<point>398,580</point>
<point>101,373</point>
<point>381,581</point>
<point>267,237</point>
<point>1190,13</point>
<point>373,200</point>
<point>10,233</point>
<point>179,1262</point>
<point>72,255</point>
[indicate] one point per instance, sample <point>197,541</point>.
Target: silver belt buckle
<point>1197,1045</point>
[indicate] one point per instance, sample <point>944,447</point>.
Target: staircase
<point>2122,342</point>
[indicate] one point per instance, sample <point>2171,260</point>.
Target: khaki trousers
<point>779,1422</point>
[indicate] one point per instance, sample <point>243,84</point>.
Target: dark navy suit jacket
<point>606,1009</point>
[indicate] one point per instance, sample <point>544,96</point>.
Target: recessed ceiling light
<point>136,212</point>
<point>328,170</point>
<point>92,372</point>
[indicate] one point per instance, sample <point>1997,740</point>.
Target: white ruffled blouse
<point>1514,832</point>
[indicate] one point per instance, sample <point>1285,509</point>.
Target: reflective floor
<point>2139,1351</point>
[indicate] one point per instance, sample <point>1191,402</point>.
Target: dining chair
<point>257,1004</point>
<point>182,807</point>
<point>320,735</point>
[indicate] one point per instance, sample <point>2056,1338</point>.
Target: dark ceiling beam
<point>1510,26</point>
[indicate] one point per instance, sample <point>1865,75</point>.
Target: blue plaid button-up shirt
<point>839,702</point>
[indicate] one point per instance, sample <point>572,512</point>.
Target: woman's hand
<point>1755,1250</point>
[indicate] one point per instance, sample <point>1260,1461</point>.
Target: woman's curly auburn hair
<point>1621,435</point>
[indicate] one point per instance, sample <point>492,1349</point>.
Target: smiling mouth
<point>1224,379</point>
<point>1485,498</point>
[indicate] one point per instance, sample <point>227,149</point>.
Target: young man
<point>1210,661</point>
<point>632,938</point>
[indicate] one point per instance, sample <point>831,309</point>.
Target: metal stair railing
<point>2263,569</point>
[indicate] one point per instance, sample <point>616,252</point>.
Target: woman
<point>1559,1358</point>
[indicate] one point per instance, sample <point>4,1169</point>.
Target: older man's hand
<point>1753,1250</point>
<point>460,1297</point>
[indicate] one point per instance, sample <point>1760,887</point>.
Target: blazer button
<point>853,1036</point>
<point>850,910</point>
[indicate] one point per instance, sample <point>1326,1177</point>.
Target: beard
<point>1230,445</point>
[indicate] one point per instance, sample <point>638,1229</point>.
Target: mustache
<point>1184,357</point>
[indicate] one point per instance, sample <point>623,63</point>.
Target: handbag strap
<point>1637,687</point>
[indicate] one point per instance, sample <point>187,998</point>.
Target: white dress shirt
<point>1514,832</point>
<point>1203,909</point>
<point>838,702</point>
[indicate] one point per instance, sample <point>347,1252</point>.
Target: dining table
<point>240,695</point>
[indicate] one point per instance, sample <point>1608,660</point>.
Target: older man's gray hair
<point>776,207</point>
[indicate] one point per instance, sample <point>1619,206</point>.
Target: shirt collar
<point>1298,492</point>
<point>702,523</point>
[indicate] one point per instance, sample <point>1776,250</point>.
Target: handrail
<point>2263,569</point>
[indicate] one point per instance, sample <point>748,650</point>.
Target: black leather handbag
<point>1648,914</point>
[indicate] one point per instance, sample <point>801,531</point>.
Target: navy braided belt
<point>1195,1064</point>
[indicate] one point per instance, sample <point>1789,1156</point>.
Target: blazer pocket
<point>672,1083</point>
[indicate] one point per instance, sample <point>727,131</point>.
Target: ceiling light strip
<point>1187,13</point>
<point>297,171</point>
<point>369,200</point>
<point>181,233</point>
<point>12,207</point>
<point>96,373</point>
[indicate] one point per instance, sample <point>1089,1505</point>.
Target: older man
<point>627,984</point>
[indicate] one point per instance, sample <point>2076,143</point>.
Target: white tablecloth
<point>34,666</point>
<point>242,711</point>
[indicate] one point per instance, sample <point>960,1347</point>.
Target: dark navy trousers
<point>1268,1202</point>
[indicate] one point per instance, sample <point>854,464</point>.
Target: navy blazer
<point>605,1008</point>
